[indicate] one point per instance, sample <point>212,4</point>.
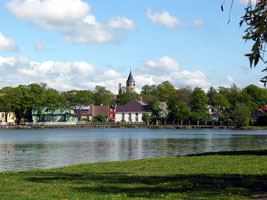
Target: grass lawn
<point>224,175</point>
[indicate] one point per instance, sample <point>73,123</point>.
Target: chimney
<point>120,89</point>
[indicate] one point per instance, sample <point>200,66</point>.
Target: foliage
<point>100,118</point>
<point>241,114</point>
<point>221,104</point>
<point>256,20</point>
<point>102,96</point>
<point>146,117</point>
<point>198,100</point>
<point>154,107</point>
<point>125,98</point>
<point>163,110</point>
<point>164,91</point>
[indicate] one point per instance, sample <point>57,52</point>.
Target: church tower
<point>130,84</point>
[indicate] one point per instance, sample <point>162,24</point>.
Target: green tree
<point>211,94</point>
<point>100,118</point>
<point>221,104</point>
<point>125,98</point>
<point>164,91</point>
<point>256,19</point>
<point>103,96</point>
<point>76,99</point>
<point>5,101</point>
<point>241,115</point>
<point>184,95</point>
<point>198,101</point>
<point>146,118</point>
<point>154,107</point>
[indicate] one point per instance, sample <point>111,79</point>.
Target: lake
<point>50,148</point>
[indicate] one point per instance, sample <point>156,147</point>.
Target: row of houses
<point>132,112</point>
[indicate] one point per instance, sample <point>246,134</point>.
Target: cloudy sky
<point>78,44</point>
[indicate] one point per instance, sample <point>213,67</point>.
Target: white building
<point>131,112</point>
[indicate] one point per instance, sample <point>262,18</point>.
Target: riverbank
<point>223,175</point>
<point>130,126</point>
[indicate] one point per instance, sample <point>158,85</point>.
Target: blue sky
<point>78,44</point>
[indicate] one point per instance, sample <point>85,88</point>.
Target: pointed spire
<point>130,77</point>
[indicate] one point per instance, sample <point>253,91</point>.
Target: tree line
<point>167,103</point>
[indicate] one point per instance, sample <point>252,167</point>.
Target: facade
<point>107,111</point>
<point>59,115</point>
<point>131,112</point>
<point>11,117</point>
<point>82,111</point>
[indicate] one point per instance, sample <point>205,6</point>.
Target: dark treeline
<point>167,104</point>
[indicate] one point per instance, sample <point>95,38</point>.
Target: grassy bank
<point>225,175</point>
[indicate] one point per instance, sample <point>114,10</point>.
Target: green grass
<point>224,175</point>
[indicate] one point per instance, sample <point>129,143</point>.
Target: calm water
<point>49,148</point>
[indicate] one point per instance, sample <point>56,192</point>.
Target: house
<point>131,112</point>
<point>82,111</point>
<point>107,111</point>
<point>58,115</point>
<point>11,117</point>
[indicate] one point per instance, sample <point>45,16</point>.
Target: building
<point>82,111</point>
<point>131,112</point>
<point>11,117</point>
<point>107,111</point>
<point>58,115</point>
<point>130,85</point>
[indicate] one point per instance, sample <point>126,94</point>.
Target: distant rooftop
<point>133,106</point>
<point>130,77</point>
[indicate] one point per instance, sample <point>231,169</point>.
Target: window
<point>130,117</point>
<point>3,115</point>
<point>136,117</point>
<point>123,117</point>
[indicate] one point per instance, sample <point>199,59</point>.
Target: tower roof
<point>130,77</point>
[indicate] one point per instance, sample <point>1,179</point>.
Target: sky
<point>78,44</point>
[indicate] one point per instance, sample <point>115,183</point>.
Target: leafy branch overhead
<point>256,20</point>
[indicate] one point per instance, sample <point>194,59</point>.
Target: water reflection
<point>39,149</point>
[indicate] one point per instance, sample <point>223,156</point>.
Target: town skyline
<point>186,43</point>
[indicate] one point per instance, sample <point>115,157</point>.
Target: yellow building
<point>11,118</point>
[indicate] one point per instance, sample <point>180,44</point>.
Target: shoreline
<point>130,126</point>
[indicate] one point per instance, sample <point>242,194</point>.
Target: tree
<point>100,118</point>
<point>154,107</point>
<point>256,19</point>
<point>184,95</point>
<point>164,91</point>
<point>103,96</point>
<point>211,94</point>
<point>241,115</point>
<point>125,98</point>
<point>5,101</point>
<point>163,110</point>
<point>220,103</point>
<point>198,100</point>
<point>146,118</point>
<point>77,99</point>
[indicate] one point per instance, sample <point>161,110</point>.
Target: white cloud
<point>163,18</point>
<point>39,46</point>
<point>230,79</point>
<point>247,1</point>
<point>160,66</point>
<point>199,22</point>
<point>165,68</point>
<point>72,18</point>
<point>121,23</point>
<point>83,75</point>
<point>7,44</point>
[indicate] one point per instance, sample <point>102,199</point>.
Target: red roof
<point>98,110</point>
